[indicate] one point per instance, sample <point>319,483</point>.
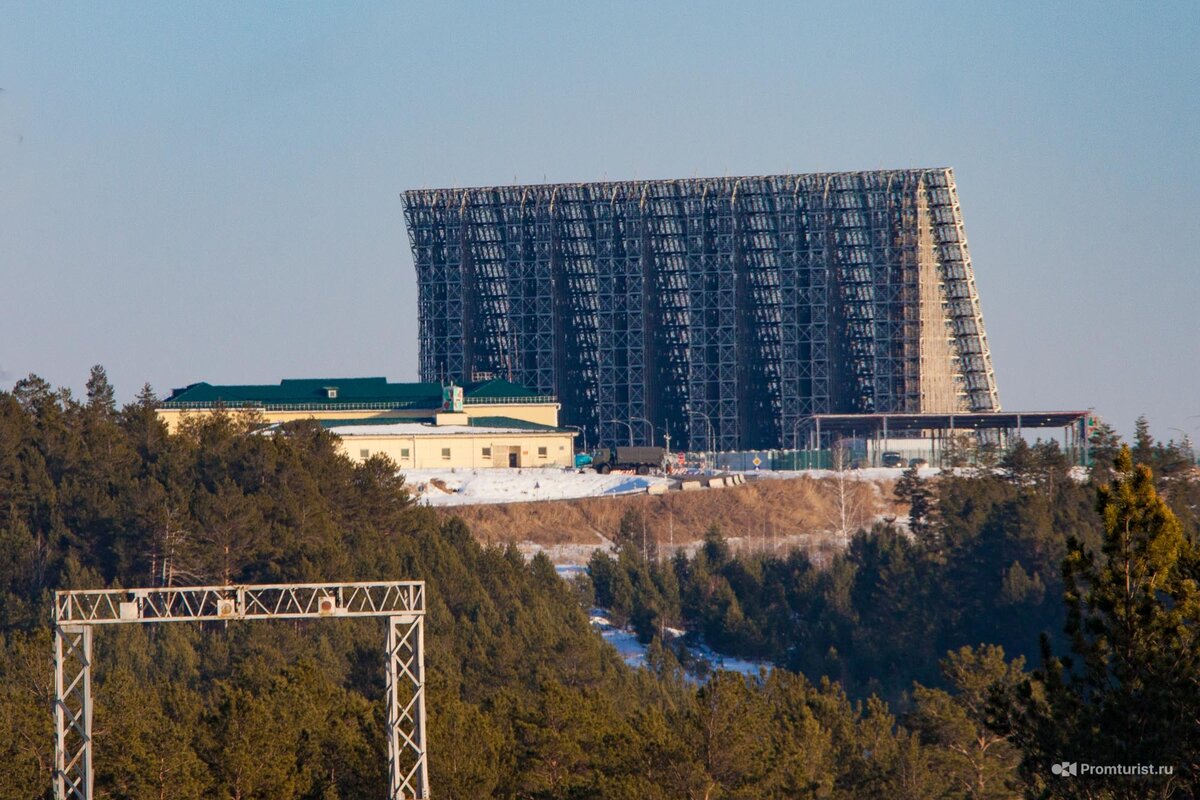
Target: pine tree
<point>26,727</point>
<point>715,549</point>
<point>914,492</point>
<point>1131,692</point>
<point>978,761</point>
<point>1143,442</point>
<point>1104,443</point>
<point>728,721</point>
<point>462,729</point>
<point>100,397</point>
<point>1170,460</point>
<point>146,397</point>
<point>230,532</point>
<point>1019,462</point>
<point>33,393</point>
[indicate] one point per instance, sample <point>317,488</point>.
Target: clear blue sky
<point>210,191</point>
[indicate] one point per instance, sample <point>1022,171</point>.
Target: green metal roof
<point>474,422</point>
<point>313,394</point>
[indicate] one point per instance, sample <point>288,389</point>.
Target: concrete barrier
<point>716,483</point>
<point>657,488</point>
<point>688,486</point>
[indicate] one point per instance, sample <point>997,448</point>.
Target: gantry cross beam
<point>401,602</point>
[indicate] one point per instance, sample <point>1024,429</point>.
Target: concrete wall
<point>466,451</point>
<point>540,413</point>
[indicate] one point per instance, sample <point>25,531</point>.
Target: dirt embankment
<point>761,511</point>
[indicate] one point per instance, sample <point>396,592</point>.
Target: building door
<point>512,458</point>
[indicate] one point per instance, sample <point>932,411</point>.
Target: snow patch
<point>456,487</point>
<point>633,652</point>
<point>872,474</point>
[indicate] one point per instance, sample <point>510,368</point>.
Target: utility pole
<point>644,502</point>
<point>671,529</point>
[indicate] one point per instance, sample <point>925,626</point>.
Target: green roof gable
<point>473,422</point>
<point>348,393</point>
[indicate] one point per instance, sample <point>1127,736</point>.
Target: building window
<point>364,453</point>
<point>541,452</point>
<point>404,452</point>
<point>331,392</point>
<point>487,452</point>
<point>445,454</point>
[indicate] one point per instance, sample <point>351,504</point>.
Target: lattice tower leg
<point>73,712</point>
<point>408,770</point>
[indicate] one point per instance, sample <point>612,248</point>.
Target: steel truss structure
<point>76,613</point>
<point>723,311</point>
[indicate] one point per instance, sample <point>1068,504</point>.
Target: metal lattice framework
<point>76,613</point>
<point>725,311</point>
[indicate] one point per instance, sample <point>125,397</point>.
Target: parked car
<point>892,459</point>
<point>919,463</point>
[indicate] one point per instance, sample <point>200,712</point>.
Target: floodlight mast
<point>402,602</point>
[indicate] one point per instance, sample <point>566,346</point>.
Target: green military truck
<point>639,459</point>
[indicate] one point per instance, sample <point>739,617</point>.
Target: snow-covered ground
<point>874,474</point>
<point>570,570</point>
<point>877,474</point>
<point>633,652</point>
<point>453,487</point>
<point>717,661</point>
<point>481,486</point>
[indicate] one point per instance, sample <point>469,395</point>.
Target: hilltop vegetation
<point>525,700</point>
<point>983,567</point>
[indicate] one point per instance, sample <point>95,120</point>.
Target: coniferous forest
<point>1019,617</point>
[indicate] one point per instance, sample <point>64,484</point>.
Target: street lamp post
<point>627,425</point>
<point>582,433</point>
<point>648,422</point>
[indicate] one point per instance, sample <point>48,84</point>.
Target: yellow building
<point>418,425</point>
<point>475,442</point>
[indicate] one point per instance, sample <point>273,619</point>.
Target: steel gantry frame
<point>667,305</point>
<point>726,311</point>
<point>76,613</point>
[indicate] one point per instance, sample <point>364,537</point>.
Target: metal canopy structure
<point>723,310</point>
<point>822,430</point>
<point>885,423</point>
<point>76,613</point>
